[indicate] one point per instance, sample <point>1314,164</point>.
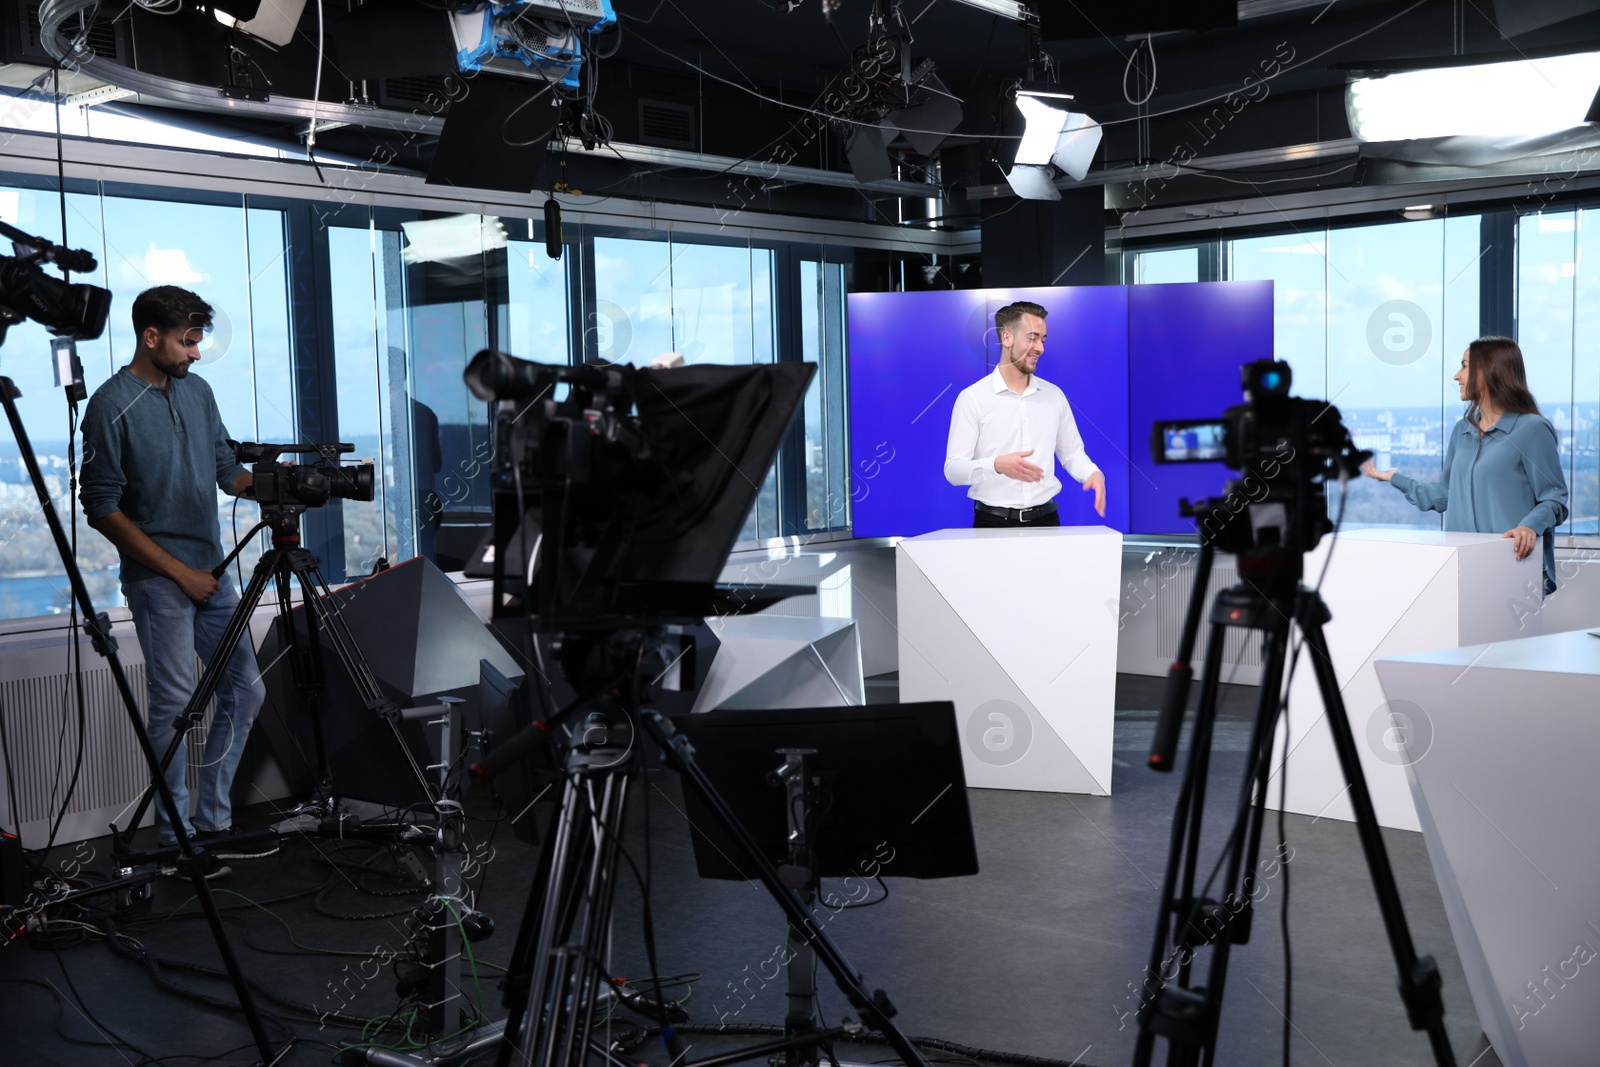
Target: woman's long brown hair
<point>1495,370</point>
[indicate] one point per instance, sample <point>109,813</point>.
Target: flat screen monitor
<point>893,795</point>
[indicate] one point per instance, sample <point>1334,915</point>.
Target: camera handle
<point>1269,599</point>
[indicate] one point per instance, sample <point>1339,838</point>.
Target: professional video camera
<point>305,485</point>
<point>27,292</point>
<point>1286,448</point>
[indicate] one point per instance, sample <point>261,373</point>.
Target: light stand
<point>99,629</point>
<point>802,875</point>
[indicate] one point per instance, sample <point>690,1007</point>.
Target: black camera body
<point>304,485</point>
<point>1285,447</point>
<point>70,309</point>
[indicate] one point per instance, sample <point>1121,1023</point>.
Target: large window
<point>710,303</point>
<point>1372,318</point>
<point>353,322</point>
<point>1557,322</point>
<point>230,255</point>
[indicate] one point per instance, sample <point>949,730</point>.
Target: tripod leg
<point>565,961</point>
<point>520,973</point>
<point>317,596</point>
<point>1225,922</point>
<point>1419,977</point>
<point>1180,856</point>
<point>589,946</point>
<point>80,593</point>
<point>305,666</point>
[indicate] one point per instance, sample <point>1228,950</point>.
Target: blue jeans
<point>172,631</point>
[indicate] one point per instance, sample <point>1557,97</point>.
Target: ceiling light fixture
<point>1054,141</point>
<point>1524,97</point>
<point>1010,9</point>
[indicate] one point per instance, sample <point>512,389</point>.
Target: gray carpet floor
<point>1040,954</point>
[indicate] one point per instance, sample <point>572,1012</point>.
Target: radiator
<point>41,730</point>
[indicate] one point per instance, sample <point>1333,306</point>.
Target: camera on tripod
<point>307,485</point>
<point>1285,447</point>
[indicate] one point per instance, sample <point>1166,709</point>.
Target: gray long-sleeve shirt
<point>1508,477</point>
<point>153,454</point>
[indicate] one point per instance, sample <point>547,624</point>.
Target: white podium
<point>1393,592</point>
<point>1505,785</point>
<point>1019,629</point>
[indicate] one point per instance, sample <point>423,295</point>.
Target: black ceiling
<point>751,80</point>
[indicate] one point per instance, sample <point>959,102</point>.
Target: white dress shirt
<point>990,420</point>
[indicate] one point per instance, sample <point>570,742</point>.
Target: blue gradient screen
<point>1126,356</point>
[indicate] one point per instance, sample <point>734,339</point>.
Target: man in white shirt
<point>1009,416</point>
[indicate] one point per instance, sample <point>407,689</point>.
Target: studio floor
<point>1040,954</point>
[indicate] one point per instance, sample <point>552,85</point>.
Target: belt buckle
<point>1022,513</point>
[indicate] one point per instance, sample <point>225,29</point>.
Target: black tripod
<point>284,560</point>
<point>1269,598</point>
<point>99,630</point>
<point>553,985</point>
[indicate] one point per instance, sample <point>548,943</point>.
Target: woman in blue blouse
<point>1502,473</point>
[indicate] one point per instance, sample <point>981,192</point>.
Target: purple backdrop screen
<point>1185,346</point>
<point>1124,355</point>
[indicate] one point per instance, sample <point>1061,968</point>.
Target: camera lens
<point>353,482</point>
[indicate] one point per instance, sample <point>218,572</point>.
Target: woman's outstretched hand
<point>1370,469</point>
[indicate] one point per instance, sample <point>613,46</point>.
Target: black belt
<point>1018,514</point>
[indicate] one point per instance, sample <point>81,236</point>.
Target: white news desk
<point>1394,592</point>
<point>1505,783</point>
<point>1019,629</point>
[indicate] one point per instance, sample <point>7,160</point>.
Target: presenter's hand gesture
<point>1523,539</point>
<point>1097,483</point>
<point>198,585</point>
<point>1016,465</point>
<point>1370,469</point>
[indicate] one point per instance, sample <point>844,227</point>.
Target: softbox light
<point>1056,136</point>
<point>868,155</point>
<point>926,123</point>
<point>1033,183</point>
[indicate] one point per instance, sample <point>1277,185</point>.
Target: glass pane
<point>1297,266</point>
<point>446,301</point>
<point>356,345</point>
<point>633,300</point>
<point>204,248</point>
<point>270,346</point>
<point>537,326</point>
<point>1167,265</point>
<point>711,314</point>
<point>1583,437</point>
<point>1547,269</point>
<point>1386,329</point>
<point>823,331</point>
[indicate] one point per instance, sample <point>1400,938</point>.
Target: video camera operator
<point>154,444</point>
